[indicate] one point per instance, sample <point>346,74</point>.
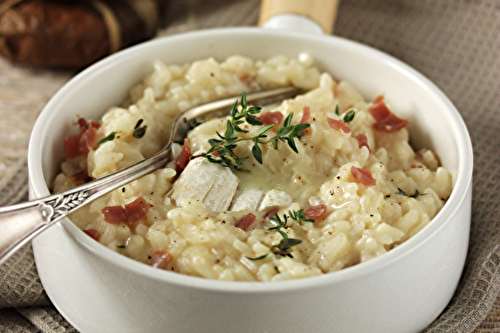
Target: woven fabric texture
<point>455,43</point>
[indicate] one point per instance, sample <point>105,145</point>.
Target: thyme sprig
<point>225,144</point>
<point>299,216</point>
<point>280,224</point>
<point>286,246</point>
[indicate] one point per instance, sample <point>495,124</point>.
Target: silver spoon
<point>20,223</point>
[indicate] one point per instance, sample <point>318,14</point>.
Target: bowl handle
<point>313,16</point>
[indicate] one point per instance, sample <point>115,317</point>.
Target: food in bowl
<point>334,181</point>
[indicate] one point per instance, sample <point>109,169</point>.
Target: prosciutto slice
<point>363,176</point>
<point>269,118</point>
<point>245,221</point>
<point>315,212</point>
<point>80,144</point>
<point>385,120</point>
<point>338,125</point>
<point>183,159</point>
<point>129,214</point>
<point>161,259</point>
<point>362,141</point>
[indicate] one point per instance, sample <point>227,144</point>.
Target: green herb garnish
<point>110,137</point>
<point>286,246</point>
<point>299,216</point>
<point>139,131</point>
<point>121,246</point>
<point>349,116</point>
<point>401,192</point>
<point>260,257</point>
<point>225,144</point>
<point>280,224</point>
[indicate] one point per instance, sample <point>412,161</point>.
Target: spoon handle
<point>322,12</point>
<point>20,223</point>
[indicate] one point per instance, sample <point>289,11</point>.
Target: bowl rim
<point>462,184</point>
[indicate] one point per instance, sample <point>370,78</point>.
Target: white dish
<point>98,290</point>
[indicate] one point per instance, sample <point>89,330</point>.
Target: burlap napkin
<point>456,43</point>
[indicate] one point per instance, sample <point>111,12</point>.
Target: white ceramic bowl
<point>98,290</point>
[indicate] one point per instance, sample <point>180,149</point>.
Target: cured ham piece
<point>270,213</point>
<point>385,120</point>
<point>245,221</point>
<point>88,139</point>
<point>338,125</point>
<point>315,212</point>
<point>184,157</point>
<point>72,147</point>
<point>84,125</point>
<point>129,214</point>
<point>363,176</point>
<point>161,259</point>
<point>269,118</point>
<point>80,144</point>
<point>306,115</point>
<point>362,141</point>
<point>92,233</point>
<point>306,119</point>
<point>94,124</point>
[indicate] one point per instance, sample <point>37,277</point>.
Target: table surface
<point>435,50</point>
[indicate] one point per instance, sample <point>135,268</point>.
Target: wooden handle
<point>322,12</point>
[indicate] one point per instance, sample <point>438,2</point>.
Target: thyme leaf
<point>259,257</point>
<point>225,144</point>
<point>109,137</point>
<point>299,216</point>
<point>139,122</point>
<point>349,116</point>
<point>415,195</point>
<point>281,224</point>
<point>139,131</point>
<point>286,246</point>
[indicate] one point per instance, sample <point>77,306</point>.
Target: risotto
<point>333,183</point>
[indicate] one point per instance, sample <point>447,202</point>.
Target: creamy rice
<point>196,231</point>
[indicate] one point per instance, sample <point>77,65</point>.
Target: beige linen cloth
<point>456,43</point>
